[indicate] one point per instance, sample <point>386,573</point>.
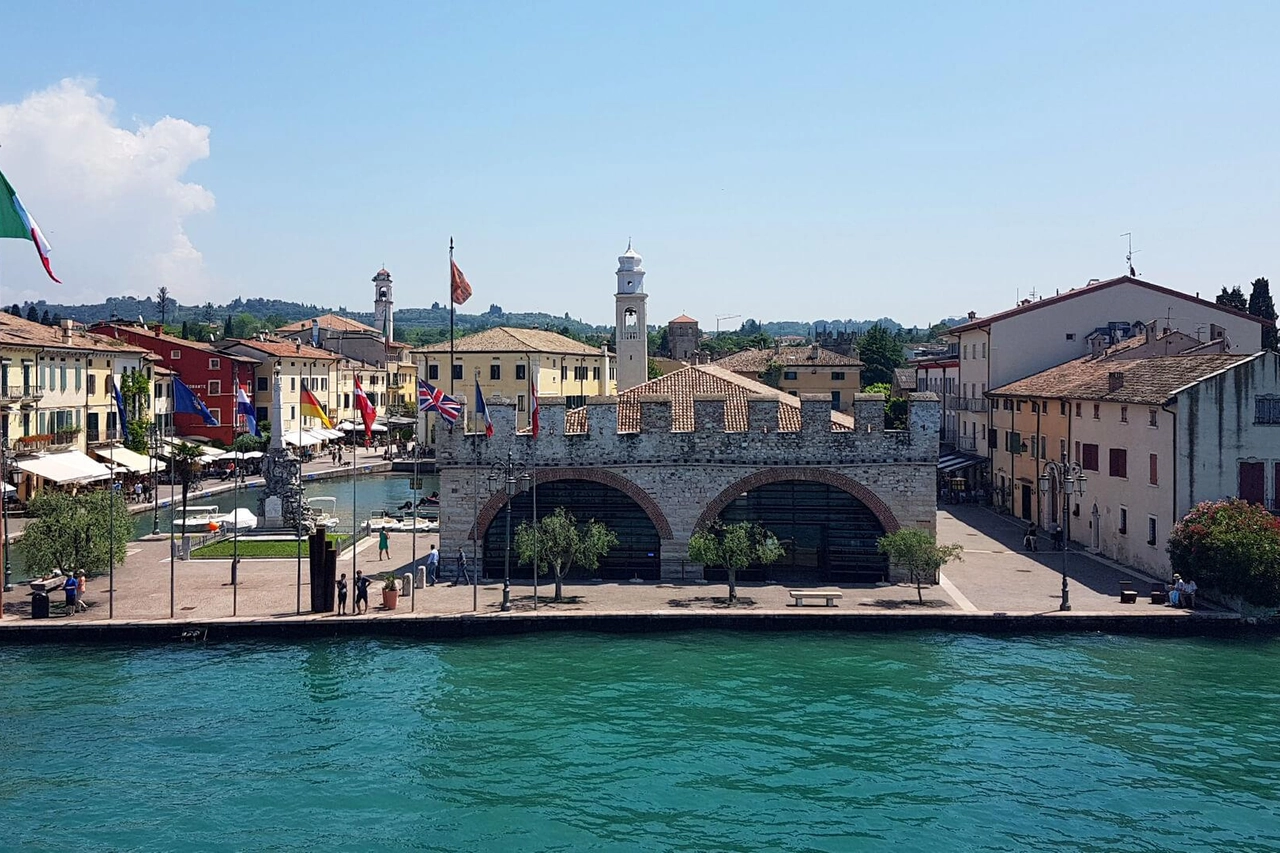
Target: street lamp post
<point>155,480</point>
<point>4,499</point>
<point>515,479</point>
<point>1069,480</point>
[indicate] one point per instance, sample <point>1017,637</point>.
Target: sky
<point>776,161</point>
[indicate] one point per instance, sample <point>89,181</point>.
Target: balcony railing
<point>20,393</point>
<point>971,404</point>
<point>966,442</point>
<point>101,436</point>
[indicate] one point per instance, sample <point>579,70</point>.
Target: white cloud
<point>111,201</point>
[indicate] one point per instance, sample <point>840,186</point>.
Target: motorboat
<point>324,512</point>
<point>196,519</point>
<point>239,519</point>
<point>418,523</point>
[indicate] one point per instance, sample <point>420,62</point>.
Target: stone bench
<point>799,595</point>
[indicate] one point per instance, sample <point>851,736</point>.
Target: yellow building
<point>801,370</point>
<point>390,372</point>
<point>502,359</point>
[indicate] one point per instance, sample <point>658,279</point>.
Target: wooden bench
<point>799,595</point>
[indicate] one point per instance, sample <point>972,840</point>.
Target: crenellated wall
<point>685,478</point>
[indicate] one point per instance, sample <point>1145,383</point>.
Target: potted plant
<point>390,592</point>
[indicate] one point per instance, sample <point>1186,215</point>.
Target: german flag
<point>311,408</point>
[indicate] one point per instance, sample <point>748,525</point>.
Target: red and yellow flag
<point>459,287</point>
<point>311,408</point>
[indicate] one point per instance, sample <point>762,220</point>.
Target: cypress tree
<point>186,331</point>
<point>226,328</point>
<point>45,319</point>
<point>1261,305</point>
<point>32,314</point>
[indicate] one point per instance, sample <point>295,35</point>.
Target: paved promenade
<point>996,576</point>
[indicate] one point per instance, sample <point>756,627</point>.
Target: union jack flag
<point>432,399</point>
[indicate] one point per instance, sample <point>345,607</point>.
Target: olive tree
<point>80,533</point>
<point>918,553</point>
<point>561,542</point>
<point>733,547</point>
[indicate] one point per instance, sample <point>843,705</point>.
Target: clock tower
<point>631,333</point>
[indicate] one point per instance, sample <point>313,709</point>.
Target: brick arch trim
<point>489,511</point>
<point>767,476</point>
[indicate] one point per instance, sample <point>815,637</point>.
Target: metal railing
<point>972,404</point>
<point>966,442</point>
<point>101,436</point>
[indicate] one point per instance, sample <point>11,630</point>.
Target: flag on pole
<point>311,408</point>
<point>534,425</point>
<point>119,397</point>
<point>185,402</point>
<point>483,411</point>
<point>244,408</point>
<point>460,288</point>
<point>367,412</point>
<point>16,222</point>
<point>432,399</point>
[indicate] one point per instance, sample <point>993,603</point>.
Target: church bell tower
<point>383,317</point>
<point>631,333</point>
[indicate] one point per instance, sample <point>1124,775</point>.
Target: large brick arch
<point>767,476</point>
<point>498,500</point>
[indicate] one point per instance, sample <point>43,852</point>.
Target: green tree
<point>135,387</point>
<point>75,533</point>
<point>918,553</point>
<point>227,328</point>
<point>1233,298</point>
<point>1231,546</point>
<point>45,319</point>
<point>562,543</point>
<point>137,431</point>
<point>1262,305</point>
<point>247,442</point>
<point>33,315</point>
<point>880,355</point>
<point>186,331</point>
<point>733,547</point>
<point>163,303</point>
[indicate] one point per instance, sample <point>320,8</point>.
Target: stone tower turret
<point>631,334</point>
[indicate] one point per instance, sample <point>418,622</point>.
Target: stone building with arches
<point>702,444</point>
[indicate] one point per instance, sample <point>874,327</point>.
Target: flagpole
<point>235,495</point>
<point>173,546</point>
<point>533,444</point>
<point>298,519</point>
<point>111,523</point>
<point>451,309</point>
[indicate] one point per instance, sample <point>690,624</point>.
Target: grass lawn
<point>250,548</point>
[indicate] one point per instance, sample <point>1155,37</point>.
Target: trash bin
<point>39,605</point>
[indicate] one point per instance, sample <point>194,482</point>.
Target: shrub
<point>1231,546</point>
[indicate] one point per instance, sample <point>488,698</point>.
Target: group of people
<point>1182,593</point>
<point>362,582</point>
<point>75,588</point>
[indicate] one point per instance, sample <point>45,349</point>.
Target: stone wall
<point>683,479</point>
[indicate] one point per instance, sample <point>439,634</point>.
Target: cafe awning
<point>959,461</point>
<point>306,439</point>
<point>70,466</point>
<point>123,457</point>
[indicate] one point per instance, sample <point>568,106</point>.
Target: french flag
<point>483,411</point>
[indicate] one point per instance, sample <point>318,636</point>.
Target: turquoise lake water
<point>683,742</point>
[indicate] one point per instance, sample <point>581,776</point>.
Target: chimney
<point>973,315</point>
<point>777,346</point>
<point>297,346</point>
<point>1115,380</point>
<point>813,353</point>
<point>1151,331</point>
<point>66,331</point>
<point>158,329</point>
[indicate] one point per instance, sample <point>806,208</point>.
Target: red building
<point>211,374</point>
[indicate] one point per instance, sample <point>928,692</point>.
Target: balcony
<point>101,436</point>
<point>971,404</point>
<point>27,395</point>
<point>967,442</point>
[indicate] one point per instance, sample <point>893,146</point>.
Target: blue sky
<point>788,161</point>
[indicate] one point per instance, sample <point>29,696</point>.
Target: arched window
<point>631,329</point>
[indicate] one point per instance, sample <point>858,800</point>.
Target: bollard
<point>421,580</point>
<point>409,590</point>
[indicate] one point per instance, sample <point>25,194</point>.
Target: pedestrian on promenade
<point>362,593</point>
<point>433,566</point>
<point>342,594</point>
<point>461,575</point>
<point>69,587</point>
<point>384,541</point>
<point>137,492</point>
<point>82,588</point>
<point>1031,540</point>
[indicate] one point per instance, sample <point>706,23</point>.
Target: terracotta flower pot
<point>389,598</point>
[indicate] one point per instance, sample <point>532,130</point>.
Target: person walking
<point>460,577</point>
<point>342,594</point>
<point>69,587</point>
<point>433,566</point>
<point>384,542</point>
<point>362,593</point>
<point>82,589</point>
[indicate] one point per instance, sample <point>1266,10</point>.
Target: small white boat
<point>422,525</point>
<point>381,521</point>
<point>325,511</point>
<point>196,519</point>
<point>240,519</point>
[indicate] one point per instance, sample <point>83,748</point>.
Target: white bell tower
<point>631,333</point>
<point>383,315</point>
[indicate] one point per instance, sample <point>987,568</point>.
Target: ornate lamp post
<point>4,498</point>
<point>514,477</point>
<point>1070,480</point>
<point>154,437</point>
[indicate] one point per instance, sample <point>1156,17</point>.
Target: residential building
<point>327,375</point>
<point>801,370</point>
<point>501,359</point>
<point>1155,435</point>
<point>939,373</point>
<point>1038,334</point>
<point>206,369</point>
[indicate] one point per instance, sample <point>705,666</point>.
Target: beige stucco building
<point>801,370</point>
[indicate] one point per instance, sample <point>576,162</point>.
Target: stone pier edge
<point>464,626</point>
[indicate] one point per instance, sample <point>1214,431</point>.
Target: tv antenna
<point>1128,259</point>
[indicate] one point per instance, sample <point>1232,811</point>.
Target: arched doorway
<point>637,554</point>
<point>829,534</point>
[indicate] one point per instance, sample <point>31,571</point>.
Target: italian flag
<point>16,222</point>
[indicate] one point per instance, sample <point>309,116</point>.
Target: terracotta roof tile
<point>683,318</point>
<point>328,321</point>
<point>18,332</point>
<point>758,360</point>
<point>506,339</point>
<point>281,348</point>
<point>1149,381</point>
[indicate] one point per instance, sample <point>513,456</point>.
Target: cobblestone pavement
<point>998,575</point>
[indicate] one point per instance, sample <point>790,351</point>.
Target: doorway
<point>1026,502</point>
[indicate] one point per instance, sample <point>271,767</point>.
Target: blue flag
<point>185,402</point>
<point>115,392</point>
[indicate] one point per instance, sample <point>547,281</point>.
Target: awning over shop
<point>329,434</point>
<point>306,439</point>
<point>71,466</point>
<point>123,457</point>
<point>958,461</point>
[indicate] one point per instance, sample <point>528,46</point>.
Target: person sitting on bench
<point>1175,592</point>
